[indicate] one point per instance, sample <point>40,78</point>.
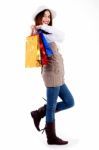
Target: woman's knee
<point>71,102</point>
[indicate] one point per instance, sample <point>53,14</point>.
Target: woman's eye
<point>46,16</point>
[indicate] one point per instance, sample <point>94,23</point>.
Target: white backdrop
<point>21,89</point>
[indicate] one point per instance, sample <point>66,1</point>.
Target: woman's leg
<point>52,95</point>
<point>52,105</point>
<point>67,98</point>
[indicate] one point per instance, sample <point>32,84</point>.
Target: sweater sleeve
<point>57,34</point>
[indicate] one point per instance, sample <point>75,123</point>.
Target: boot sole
<point>57,143</point>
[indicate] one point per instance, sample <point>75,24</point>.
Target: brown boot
<point>51,135</point>
<point>37,115</point>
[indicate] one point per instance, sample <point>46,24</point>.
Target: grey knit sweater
<point>53,73</point>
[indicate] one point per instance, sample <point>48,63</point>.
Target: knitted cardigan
<point>53,72</point>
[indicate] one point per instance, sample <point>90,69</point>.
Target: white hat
<point>41,8</point>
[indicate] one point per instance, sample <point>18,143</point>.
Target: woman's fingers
<point>38,27</point>
<point>33,28</point>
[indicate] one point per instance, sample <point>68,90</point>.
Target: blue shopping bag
<point>48,49</point>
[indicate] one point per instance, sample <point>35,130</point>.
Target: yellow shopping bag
<point>32,56</point>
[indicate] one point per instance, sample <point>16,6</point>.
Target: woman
<point>53,76</point>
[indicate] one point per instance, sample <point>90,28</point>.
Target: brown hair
<point>38,18</point>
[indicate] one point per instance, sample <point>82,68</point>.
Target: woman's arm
<point>57,34</point>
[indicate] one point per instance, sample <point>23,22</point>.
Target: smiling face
<point>46,17</point>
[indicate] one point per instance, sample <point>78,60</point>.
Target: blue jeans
<point>54,106</point>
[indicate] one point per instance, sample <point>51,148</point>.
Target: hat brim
<point>40,9</point>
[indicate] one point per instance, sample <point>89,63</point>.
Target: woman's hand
<point>38,27</point>
<point>34,30</point>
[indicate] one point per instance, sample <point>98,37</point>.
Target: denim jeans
<point>54,106</point>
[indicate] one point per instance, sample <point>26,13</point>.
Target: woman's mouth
<point>45,22</point>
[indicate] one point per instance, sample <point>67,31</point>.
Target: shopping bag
<point>32,56</point>
<point>44,58</point>
<point>49,51</point>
